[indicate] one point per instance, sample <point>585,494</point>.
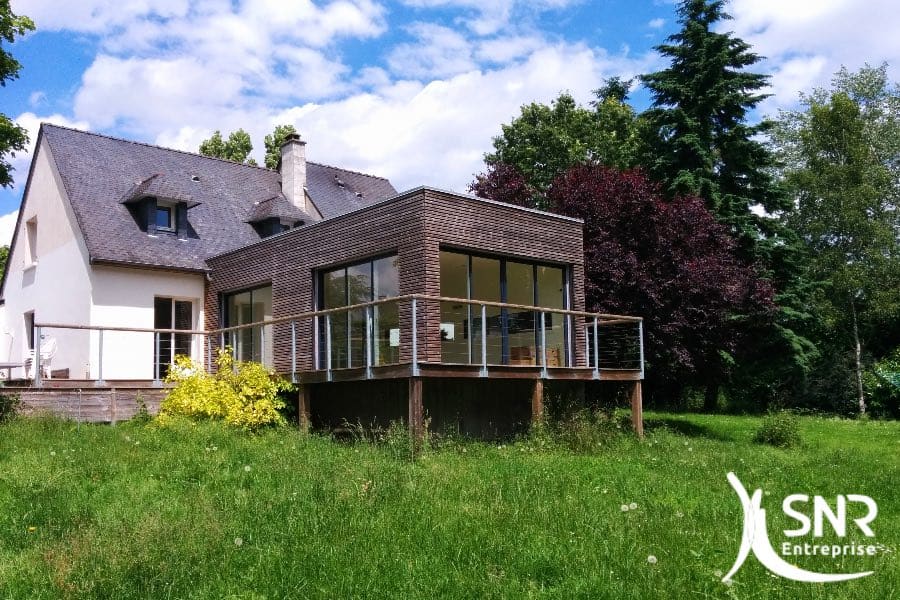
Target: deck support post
<point>537,401</point>
<point>416,418</point>
<point>303,416</point>
<point>637,409</point>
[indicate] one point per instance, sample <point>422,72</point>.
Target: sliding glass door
<point>512,334</point>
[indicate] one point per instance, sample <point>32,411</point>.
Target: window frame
<point>170,210</point>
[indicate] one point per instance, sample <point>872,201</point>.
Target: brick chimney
<point>293,170</point>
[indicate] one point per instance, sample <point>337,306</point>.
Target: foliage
<point>273,143</point>
<point>840,166</point>
<point>13,137</point>
<point>882,385</point>
<point>4,256</point>
<point>698,140</point>
<point>9,404</point>
<point>780,429</point>
<point>504,183</point>
<point>243,394</point>
<point>544,141</point>
<point>668,261</point>
<point>236,148</point>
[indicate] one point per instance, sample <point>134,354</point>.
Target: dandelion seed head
<point>624,508</point>
<point>633,506</point>
<point>238,541</point>
<point>651,559</point>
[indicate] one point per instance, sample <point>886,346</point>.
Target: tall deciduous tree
<point>13,138</point>
<point>842,165</point>
<point>274,141</point>
<point>236,148</point>
<point>544,141</point>
<point>698,139</point>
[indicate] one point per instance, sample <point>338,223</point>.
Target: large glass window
<point>360,283</point>
<point>512,334</point>
<point>169,313</point>
<point>250,306</point>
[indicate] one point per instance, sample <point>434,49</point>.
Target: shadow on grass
<point>685,428</point>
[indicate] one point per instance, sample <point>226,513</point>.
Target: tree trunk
<point>858,354</point>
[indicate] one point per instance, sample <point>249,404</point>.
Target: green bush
<point>882,386</point>
<point>9,403</point>
<point>243,394</point>
<point>780,429</point>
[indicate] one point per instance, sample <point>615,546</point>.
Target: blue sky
<point>409,89</point>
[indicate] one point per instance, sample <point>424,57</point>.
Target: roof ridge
<point>157,146</point>
<point>312,162</point>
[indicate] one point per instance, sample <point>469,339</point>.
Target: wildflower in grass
<point>32,529</point>
<point>624,508</point>
<point>52,453</point>
<point>238,542</point>
<point>651,559</point>
<point>247,468</point>
<point>633,506</point>
<point>718,574</point>
<point>679,514</point>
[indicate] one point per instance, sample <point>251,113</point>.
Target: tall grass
<point>204,511</point>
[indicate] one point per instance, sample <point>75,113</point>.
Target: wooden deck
<point>464,371</point>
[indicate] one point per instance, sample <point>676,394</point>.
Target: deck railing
<point>409,330</point>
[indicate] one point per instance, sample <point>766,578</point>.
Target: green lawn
<point>202,511</point>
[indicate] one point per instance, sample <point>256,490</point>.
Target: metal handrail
<point>596,320</point>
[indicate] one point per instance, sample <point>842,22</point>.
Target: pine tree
<point>698,139</point>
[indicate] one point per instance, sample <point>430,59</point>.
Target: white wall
<point>56,286</point>
<point>61,287</point>
<point>123,297</point>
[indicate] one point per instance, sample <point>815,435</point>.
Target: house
<point>128,254</point>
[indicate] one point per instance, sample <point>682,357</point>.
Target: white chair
<point>48,351</point>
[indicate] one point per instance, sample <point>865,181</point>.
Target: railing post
<point>234,345</point>
<point>596,349</point>
<point>544,371</point>
<point>36,363</point>
<point>99,381</point>
<point>415,338</point>
<point>262,345</point>
<point>328,346</point>
<point>484,371</point>
<point>208,341</point>
<point>158,359</point>
<point>293,351</point>
<point>317,358</point>
<point>641,344</point>
<point>368,349</point>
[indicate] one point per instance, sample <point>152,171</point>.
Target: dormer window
<point>160,204</point>
<point>165,217</point>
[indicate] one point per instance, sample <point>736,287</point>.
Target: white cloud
<point>8,227</point>
<point>438,52</point>
<point>807,41</point>
<point>32,123</point>
<point>656,23</point>
<point>437,133</point>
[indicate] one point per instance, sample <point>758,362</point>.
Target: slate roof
<point>277,207</point>
<point>100,172</point>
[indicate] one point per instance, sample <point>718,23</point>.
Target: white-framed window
<point>31,235</point>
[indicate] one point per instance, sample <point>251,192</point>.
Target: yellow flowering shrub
<point>243,394</point>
